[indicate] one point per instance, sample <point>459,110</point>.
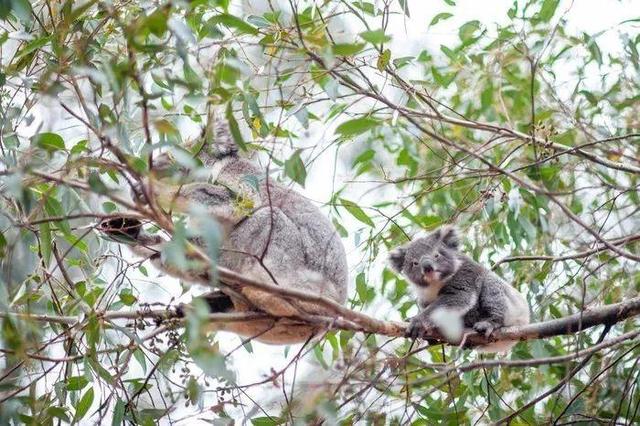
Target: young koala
<point>272,234</point>
<point>455,292</point>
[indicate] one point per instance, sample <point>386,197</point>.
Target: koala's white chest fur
<point>428,293</point>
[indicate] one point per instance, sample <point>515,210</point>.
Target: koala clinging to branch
<point>455,292</point>
<point>272,235</point>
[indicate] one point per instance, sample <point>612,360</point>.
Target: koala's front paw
<point>420,326</point>
<point>485,327</point>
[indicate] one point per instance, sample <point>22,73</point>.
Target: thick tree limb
<point>605,315</point>
<point>610,314</point>
<point>342,318</point>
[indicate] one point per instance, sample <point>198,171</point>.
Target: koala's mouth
<point>431,277</point>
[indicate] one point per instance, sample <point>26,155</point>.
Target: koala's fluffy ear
<point>396,258</point>
<point>450,237</point>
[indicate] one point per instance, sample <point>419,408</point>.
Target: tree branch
<point>341,318</point>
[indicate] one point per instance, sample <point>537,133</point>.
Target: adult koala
<point>455,292</point>
<point>272,235</point>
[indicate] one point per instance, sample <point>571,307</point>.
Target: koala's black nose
<point>426,266</point>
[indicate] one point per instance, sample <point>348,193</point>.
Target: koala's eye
<point>414,263</point>
<point>437,255</point>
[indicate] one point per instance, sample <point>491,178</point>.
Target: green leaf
<point>295,169</point>
<point>32,46</point>
<point>443,80</point>
<point>139,356</point>
<point>548,9</point>
<point>468,30</point>
<point>118,413</point>
<point>231,21</point>
<point>365,157</point>
<point>405,7</point>
<point>59,413</point>
<point>127,298</point>
<point>258,21</point>
<point>595,51</point>
<point>346,49</point>
<point>80,10</point>
<point>383,60</point>
<point>193,390</point>
<point>49,141</point>
<point>357,126</point>
<point>96,184</point>
<point>356,212</point>
<point>267,421</point>
<point>45,242</point>
<point>157,23</point>
<point>366,7</point>
<point>84,404</point>
<point>20,8</point>
<point>365,293</point>
<point>440,17</point>
<point>3,244</point>
<point>234,128</point>
<point>402,61</point>
<point>165,127</point>
<point>76,383</point>
<point>80,147</point>
<point>341,229</point>
<point>375,37</point>
<point>54,208</point>
<point>109,207</point>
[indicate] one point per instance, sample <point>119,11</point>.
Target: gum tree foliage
<point>524,133</point>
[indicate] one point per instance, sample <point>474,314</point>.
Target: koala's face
<point>429,259</point>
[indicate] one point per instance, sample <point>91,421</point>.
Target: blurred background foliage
<point>523,131</point>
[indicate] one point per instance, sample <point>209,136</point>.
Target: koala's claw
<point>485,327</point>
<point>419,328</point>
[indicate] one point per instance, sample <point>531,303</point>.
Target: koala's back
<point>493,293</point>
<point>287,241</point>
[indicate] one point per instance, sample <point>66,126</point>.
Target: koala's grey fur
<point>283,240</point>
<point>455,292</point>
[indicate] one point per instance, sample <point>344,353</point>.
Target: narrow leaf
<point>231,21</point>
<point>440,17</point>
<point>295,169</point>
<point>84,404</point>
<point>375,37</point>
<point>357,126</point>
<point>356,212</point>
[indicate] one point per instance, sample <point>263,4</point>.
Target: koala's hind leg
<point>265,301</point>
<point>493,307</point>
